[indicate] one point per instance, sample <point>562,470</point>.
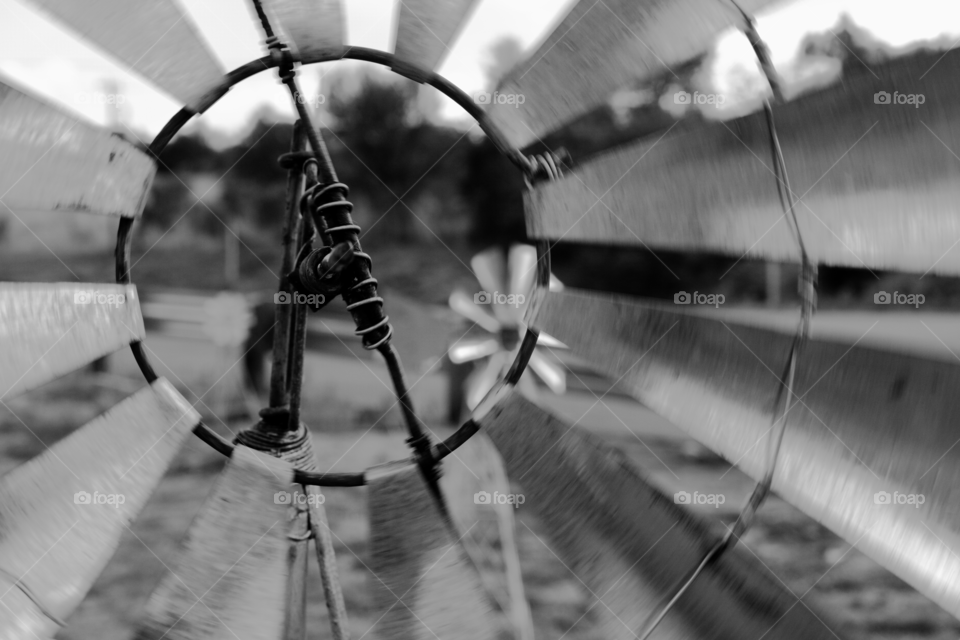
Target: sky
<point>38,54</point>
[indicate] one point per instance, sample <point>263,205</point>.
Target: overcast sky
<point>48,59</point>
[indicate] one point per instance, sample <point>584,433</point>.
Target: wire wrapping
<point>807,289</point>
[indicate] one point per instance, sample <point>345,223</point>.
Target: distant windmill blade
<point>53,161</point>
<point>871,425</point>
<point>878,180</point>
<point>48,330</point>
<point>63,512</point>
<point>230,579</point>
<point>423,585</point>
<point>630,544</point>
<point>463,304</point>
<point>600,47</point>
<point>426,30</point>
<point>152,37</point>
<point>314,28</point>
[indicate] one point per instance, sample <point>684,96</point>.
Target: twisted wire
<point>807,290</point>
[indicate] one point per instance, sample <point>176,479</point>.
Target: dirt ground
<point>861,599</point>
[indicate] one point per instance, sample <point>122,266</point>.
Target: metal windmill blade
<point>64,511</point>
<point>153,37</point>
<point>313,28</point>
<point>426,30</point>
<point>874,180</point>
<point>423,585</point>
<point>230,579</point>
<point>507,283</point>
<point>868,423</point>
<point>629,544</point>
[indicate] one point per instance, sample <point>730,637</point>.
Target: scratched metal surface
<point>421,582</point>
<point>230,578</point>
<point>630,544</point>
<point>878,181</point>
<point>870,421</point>
<point>600,47</point>
<point>312,27</point>
<point>153,37</point>
<point>45,333</point>
<point>55,541</point>
<point>53,161</point>
<point>426,30</point>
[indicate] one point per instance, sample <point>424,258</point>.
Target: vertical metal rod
<point>298,343</point>
<point>295,624</point>
<point>279,391</point>
<point>329,575</point>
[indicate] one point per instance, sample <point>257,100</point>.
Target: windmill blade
<point>230,579</point>
<point>64,511</point>
<point>314,28</point>
<point>422,582</point>
<point>629,544</point>
<point>426,30</point>
<point>153,37</point>
<point>484,378</point>
<point>600,47</point>
<point>463,304</point>
<point>471,349</point>
<point>549,372</point>
<point>871,425</point>
<point>47,330</point>
<point>877,181</point>
<point>53,161</point>
<point>490,267</point>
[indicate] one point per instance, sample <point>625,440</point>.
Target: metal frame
<point>527,165</point>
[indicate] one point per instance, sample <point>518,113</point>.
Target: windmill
<point>811,425</point>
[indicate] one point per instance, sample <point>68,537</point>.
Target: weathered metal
<point>629,544</point>
<point>310,27</point>
<point>600,47</point>
<point>231,576</point>
<point>153,37</point>
<point>48,330</point>
<point>876,179</point>
<point>53,161</point>
<point>870,427</point>
<point>423,584</point>
<point>63,512</point>
<point>425,31</point>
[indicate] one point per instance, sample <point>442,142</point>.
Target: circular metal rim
<point>180,119</point>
